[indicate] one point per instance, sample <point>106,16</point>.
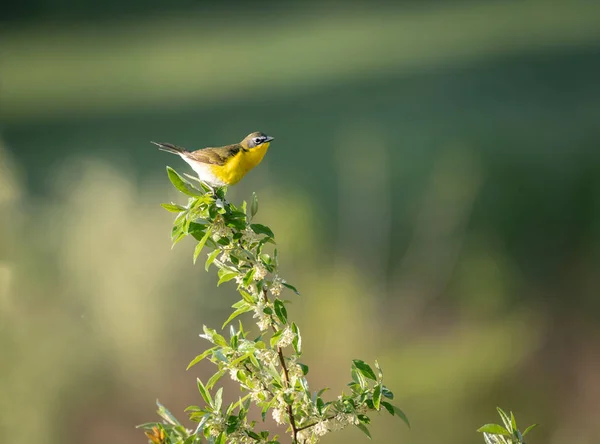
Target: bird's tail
<point>170,148</point>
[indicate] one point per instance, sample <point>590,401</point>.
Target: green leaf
<point>249,277</point>
<point>197,230</point>
<point>214,337</point>
<point>358,378</point>
<point>247,297</point>
<point>214,379</point>
<point>233,422</point>
<point>365,369</point>
<point>364,419</point>
<point>494,429</point>
<point>363,428</point>
<point>200,245</point>
<point>147,425</point>
<point>262,229</point>
<point>173,208</point>
<point>181,184</point>
<point>196,179</point>
<point>221,438</point>
<point>166,415</point>
<point>243,309</point>
<point>177,236</point>
<point>245,356</point>
<point>204,392</point>
<point>211,258</point>
<point>320,405</point>
<point>389,407</point>
<point>218,399</point>
<point>254,205</point>
<point>191,439</point>
<point>505,418</point>
<point>226,275</point>
<point>297,341</point>
<point>200,357</point>
<point>291,287</point>
<point>275,338</point>
<point>377,396</point>
<point>379,370</point>
<point>401,415</point>
<point>253,435</point>
<point>513,422</point>
<point>528,429</point>
<point>280,311</point>
<point>323,390</point>
<point>387,393</point>
<point>304,368</point>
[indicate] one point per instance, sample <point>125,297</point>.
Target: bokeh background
<point>434,187</point>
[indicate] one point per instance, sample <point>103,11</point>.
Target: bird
<point>224,165</point>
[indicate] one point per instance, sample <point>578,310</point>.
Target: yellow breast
<point>237,167</point>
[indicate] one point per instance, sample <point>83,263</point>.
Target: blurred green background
<point>434,187</point>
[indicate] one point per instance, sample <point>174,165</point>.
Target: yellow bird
<point>224,165</point>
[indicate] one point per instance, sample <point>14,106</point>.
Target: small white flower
<point>225,255</point>
<point>263,319</point>
<point>304,435</point>
<point>277,286</point>
<point>219,229</point>
<point>321,428</point>
<point>259,272</point>
<point>264,323</point>
<point>286,337</point>
<point>215,429</point>
<point>233,374</point>
<point>295,371</point>
<point>347,418</point>
<point>335,425</point>
<point>259,395</point>
<point>249,236</point>
<point>278,415</point>
<point>267,356</point>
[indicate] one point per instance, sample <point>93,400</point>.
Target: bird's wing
<point>215,156</point>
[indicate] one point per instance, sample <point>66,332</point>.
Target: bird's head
<point>256,139</point>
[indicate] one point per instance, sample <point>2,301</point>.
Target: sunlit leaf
<point>181,184</point>
<point>173,208</point>
<point>238,312</point>
<point>211,258</point>
<point>297,341</point>
<point>495,429</point>
<point>225,275</point>
<point>200,357</point>
<point>365,369</point>
<point>254,205</point>
<point>377,396</point>
<point>166,415</point>
<point>200,245</point>
<point>218,399</point>
<point>275,338</point>
<point>214,379</point>
<point>204,392</point>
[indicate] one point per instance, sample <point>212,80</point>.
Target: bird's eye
<point>258,140</point>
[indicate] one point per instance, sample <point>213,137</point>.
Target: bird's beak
<point>269,138</point>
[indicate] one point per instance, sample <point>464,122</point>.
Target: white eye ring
<point>258,141</point>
